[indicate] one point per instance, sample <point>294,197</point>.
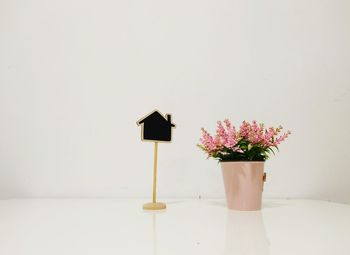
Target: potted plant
<point>241,154</point>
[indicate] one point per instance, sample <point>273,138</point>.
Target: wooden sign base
<point>154,206</point>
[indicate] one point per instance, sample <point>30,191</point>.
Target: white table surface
<point>119,226</point>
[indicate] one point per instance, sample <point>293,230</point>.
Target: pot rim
<point>223,162</point>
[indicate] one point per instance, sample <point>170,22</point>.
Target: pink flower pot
<point>243,184</point>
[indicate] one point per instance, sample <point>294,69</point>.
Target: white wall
<point>76,75</point>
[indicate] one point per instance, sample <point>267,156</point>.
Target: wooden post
<point>155,172</point>
<point>154,205</point>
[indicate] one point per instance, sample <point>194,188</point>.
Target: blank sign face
<point>155,127</point>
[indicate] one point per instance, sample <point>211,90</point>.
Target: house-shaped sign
<point>156,128</point>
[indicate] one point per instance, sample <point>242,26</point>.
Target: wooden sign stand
<point>156,128</point>
<point>154,205</point>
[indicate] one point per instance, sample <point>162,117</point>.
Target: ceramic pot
<point>244,183</point>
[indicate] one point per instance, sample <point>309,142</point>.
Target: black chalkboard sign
<point>156,128</point>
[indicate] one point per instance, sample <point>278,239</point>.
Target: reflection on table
<point>245,233</point>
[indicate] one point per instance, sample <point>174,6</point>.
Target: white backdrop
<point>76,75</point>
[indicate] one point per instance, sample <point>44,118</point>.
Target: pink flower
<point>255,135</point>
<point>231,140</point>
<point>221,135</point>
<point>281,138</point>
<point>244,129</point>
<point>267,139</point>
<point>208,141</point>
<point>254,132</point>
